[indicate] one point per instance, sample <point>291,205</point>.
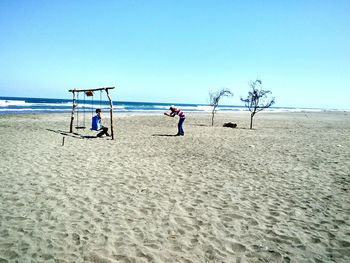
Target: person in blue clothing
<point>97,126</point>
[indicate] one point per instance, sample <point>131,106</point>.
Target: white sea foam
<point>119,107</point>
<point>52,104</point>
<point>162,107</point>
<point>187,108</point>
<point>140,110</point>
<point>5,103</point>
<point>19,105</point>
<point>43,109</point>
<point>197,108</point>
<point>32,110</point>
<point>293,110</point>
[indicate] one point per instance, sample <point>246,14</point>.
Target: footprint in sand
<point>238,248</point>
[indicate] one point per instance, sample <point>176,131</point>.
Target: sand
<point>278,193</point>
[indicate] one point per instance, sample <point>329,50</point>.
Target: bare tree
<point>214,98</point>
<point>257,99</point>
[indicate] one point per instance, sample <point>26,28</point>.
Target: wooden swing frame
<point>88,92</point>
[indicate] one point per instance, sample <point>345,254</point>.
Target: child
<point>176,111</point>
<point>96,124</point>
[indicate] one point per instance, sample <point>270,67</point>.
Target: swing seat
<point>80,127</point>
<point>89,93</point>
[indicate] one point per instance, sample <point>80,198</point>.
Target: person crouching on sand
<point>176,111</point>
<point>97,126</point>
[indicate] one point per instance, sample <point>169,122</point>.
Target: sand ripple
<point>279,193</point>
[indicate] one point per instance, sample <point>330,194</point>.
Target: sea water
<point>41,105</point>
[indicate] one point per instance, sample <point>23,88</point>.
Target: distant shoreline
<point>12,105</point>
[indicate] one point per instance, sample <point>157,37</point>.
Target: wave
<point>33,110</point>
<point>5,103</point>
<point>35,105</point>
<point>294,110</point>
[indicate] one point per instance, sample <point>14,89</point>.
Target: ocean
<point>17,105</point>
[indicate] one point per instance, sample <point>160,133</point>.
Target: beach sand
<point>278,193</point>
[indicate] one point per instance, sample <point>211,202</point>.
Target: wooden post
<point>111,113</point>
<point>72,116</point>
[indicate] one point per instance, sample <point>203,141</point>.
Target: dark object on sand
<point>230,125</point>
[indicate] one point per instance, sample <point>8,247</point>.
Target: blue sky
<point>177,51</point>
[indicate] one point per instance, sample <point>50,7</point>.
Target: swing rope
<point>77,125</point>
<point>88,94</point>
<point>84,110</point>
<point>83,126</point>
<point>100,99</point>
<point>92,106</point>
<point>95,119</point>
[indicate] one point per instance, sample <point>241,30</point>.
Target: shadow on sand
<point>73,135</point>
<point>202,125</point>
<point>165,135</point>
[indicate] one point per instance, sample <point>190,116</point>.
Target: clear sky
<point>178,50</point>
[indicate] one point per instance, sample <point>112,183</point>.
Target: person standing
<point>97,126</point>
<point>176,111</point>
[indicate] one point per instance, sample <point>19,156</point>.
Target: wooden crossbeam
<point>84,90</point>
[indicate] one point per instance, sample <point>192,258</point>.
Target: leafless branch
<point>214,98</point>
<point>257,99</point>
